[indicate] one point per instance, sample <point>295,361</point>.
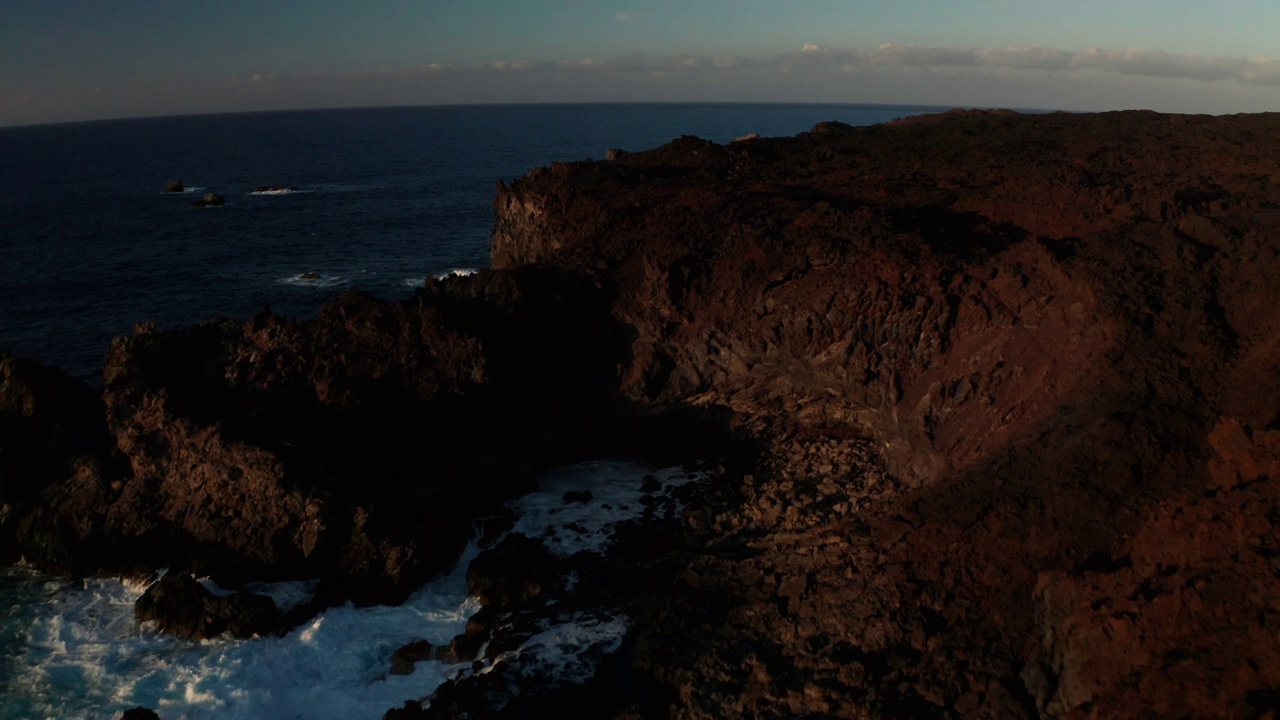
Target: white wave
<point>86,658</point>
<point>559,652</point>
<point>278,191</point>
<point>83,656</point>
<point>568,528</point>
<point>454,272</point>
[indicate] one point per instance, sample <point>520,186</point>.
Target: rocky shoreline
<point>994,401</point>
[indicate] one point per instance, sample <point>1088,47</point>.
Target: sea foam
<point>73,650</point>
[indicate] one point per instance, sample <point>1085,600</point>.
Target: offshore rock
<point>210,200</point>
<point>173,186</point>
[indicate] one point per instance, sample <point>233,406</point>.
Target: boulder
<point>173,186</point>
<point>405,657</point>
<point>179,605</point>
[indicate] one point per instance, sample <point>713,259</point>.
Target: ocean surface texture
<point>383,199</point>
<point>374,199</point>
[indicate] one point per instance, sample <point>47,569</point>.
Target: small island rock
<point>210,200</point>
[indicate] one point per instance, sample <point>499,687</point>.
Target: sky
<point>70,60</point>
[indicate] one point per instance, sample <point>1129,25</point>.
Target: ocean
<point>376,200</point>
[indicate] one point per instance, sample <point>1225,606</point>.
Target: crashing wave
<point>455,272</point>
<point>82,653</point>
<point>274,190</point>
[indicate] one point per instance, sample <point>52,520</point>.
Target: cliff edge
<point>1017,378</point>
<point>995,400</point>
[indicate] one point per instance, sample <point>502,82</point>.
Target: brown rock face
<point>1003,393</point>
<point>1017,381</point>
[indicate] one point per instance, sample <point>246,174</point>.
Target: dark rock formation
<point>998,364</point>
<point>515,572</point>
<point>357,447</point>
<point>210,200</point>
<point>181,606</point>
<point>404,658</point>
<point>173,186</point>
<point>997,397</point>
<point>51,428</point>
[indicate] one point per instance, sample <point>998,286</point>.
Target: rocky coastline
<point>991,404</point>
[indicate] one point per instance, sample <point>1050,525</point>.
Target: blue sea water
<point>89,246</point>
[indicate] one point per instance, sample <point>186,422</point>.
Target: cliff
<point>1016,380</point>
<point>996,398</point>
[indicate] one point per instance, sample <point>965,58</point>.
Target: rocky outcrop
<point>996,362</point>
<point>179,605</point>
<point>173,186</point>
<point>355,448</point>
<point>51,428</point>
<point>996,397</point>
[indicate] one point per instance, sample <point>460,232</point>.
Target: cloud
<point>1139,63</point>
<point>818,60</point>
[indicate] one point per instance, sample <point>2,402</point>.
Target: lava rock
<point>650,485</point>
<point>515,572</point>
<point>406,656</point>
<point>182,606</point>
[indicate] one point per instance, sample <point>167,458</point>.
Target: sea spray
<point>72,649</point>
